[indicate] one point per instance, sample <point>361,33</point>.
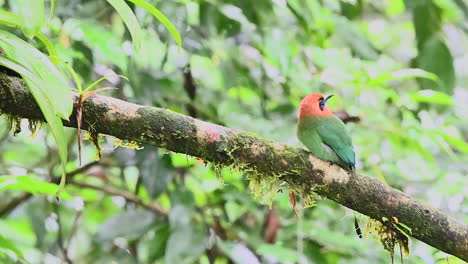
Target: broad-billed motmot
<point>323,133</point>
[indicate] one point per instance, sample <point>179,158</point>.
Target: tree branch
<point>264,161</point>
<point>125,194</point>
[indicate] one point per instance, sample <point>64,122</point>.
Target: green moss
<point>33,126</point>
<point>217,170</point>
<point>390,234</point>
<point>264,185</point>
<point>14,124</point>
<point>95,138</point>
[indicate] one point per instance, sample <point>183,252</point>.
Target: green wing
<point>333,133</point>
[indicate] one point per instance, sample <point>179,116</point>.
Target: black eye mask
<point>321,103</point>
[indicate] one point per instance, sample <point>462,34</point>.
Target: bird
<point>323,133</point>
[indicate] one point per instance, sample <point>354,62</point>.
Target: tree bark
<point>265,162</point>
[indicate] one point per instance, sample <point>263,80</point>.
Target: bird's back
<point>326,137</point>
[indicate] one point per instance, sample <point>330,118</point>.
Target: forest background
<point>398,70</point>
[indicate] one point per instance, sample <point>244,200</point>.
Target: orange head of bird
<point>314,105</point>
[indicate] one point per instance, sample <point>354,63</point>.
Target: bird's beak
<point>328,97</point>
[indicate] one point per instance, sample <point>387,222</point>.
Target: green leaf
<point>46,84</point>
<point>55,86</point>
<point>17,67</point>
<point>430,96</point>
<point>159,242</point>
<point>237,252</point>
<point>186,243</point>
<point>395,7</point>
<point>426,20</point>
<point>406,227</point>
<point>161,17</point>
<point>452,259</point>
<point>435,57</point>
<point>405,74</point>
<point>7,244</point>
<point>402,231</point>
<point>75,77</point>
<point>53,54</point>
<point>463,6</point>
<point>130,21</point>
<point>52,8</point>
<point>91,86</point>
<point>29,184</point>
<point>10,19</point>
<point>108,46</point>
<point>32,15</point>
<point>355,39</point>
<point>455,142</point>
<point>234,210</point>
<point>130,224</point>
<point>433,54</point>
<point>187,240</point>
<point>413,73</point>
<point>155,170</point>
<point>214,20</point>
<point>283,254</point>
<point>350,9</point>
<point>442,144</point>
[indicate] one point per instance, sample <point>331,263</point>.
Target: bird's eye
<point>321,103</point>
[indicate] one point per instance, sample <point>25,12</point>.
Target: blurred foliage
<point>399,65</point>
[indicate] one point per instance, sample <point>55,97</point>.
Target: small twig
<point>74,228</point>
<point>125,194</point>
<point>5,210</point>
<point>190,88</point>
<point>271,226</point>
<point>165,58</point>
<point>60,242</point>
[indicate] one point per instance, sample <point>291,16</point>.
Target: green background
<point>251,62</point>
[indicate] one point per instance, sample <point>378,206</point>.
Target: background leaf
<point>430,96</point>
<point>130,20</point>
<point>49,89</point>
<point>54,86</point>
<point>238,252</point>
<point>186,243</point>
<point>279,252</point>
<point>29,184</point>
<point>436,49</point>
<point>32,15</point>
<point>161,17</point>
<point>159,243</point>
<point>10,19</point>
<point>155,170</point>
<point>123,225</point>
<point>109,46</point>
<point>9,245</point>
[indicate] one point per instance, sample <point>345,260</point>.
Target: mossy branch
<point>264,161</point>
